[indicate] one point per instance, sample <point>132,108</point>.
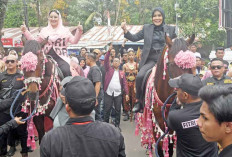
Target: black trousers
<point>109,101</point>
<point>140,76</point>
<point>63,65</point>
<point>20,131</point>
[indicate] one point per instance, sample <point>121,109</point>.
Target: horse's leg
<point>170,149</point>
<point>39,124</point>
<point>160,150</point>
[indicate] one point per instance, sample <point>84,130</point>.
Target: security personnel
<point>190,142</point>
<point>12,78</point>
<point>218,77</point>
<point>82,136</point>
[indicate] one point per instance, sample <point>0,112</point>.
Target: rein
<point>165,121</point>
<point>16,98</point>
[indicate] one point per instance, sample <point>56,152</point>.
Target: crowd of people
<point>97,85</point>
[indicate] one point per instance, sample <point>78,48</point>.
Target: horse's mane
<point>178,45</point>
<point>32,46</point>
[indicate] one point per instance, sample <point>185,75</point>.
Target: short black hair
<point>219,48</point>
<point>84,48</point>
<point>216,59</point>
<point>92,56</point>
<point>219,100</point>
<point>84,107</point>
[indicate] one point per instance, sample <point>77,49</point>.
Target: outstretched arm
<point>132,37</point>
<point>135,37</point>
<point>77,37</point>
<point>28,34</point>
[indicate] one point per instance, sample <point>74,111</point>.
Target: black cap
<point>63,84</point>
<point>79,89</point>
<point>188,83</point>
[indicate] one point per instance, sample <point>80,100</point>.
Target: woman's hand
<point>23,27</point>
<point>123,26</point>
<point>80,27</point>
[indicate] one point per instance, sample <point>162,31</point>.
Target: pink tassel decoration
<point>33,144</point>
<point>185,60</point>
<point>29,61</point>
<point>137,130</point>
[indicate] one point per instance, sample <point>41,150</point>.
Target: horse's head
<point>180,59</point>
<point>33,61</point>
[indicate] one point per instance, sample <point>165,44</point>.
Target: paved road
<point>133,146</point>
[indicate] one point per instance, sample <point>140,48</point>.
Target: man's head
<point>116,63</point>
<point>90,59</point>
<point>220,52</point>
<point>217,67</point>
<point>80,97</point>
<point>83,51</point>
<point>98,53</point>
<point>11,62</point>
<point>215,121</point>
<point>102,59</point>
<point>112,53</point>
<point>193,48</point>
<point>131,54</point>
<point>187,86</point>
<point>198,61</point>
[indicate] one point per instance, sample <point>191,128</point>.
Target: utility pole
<point>25,14</point>
<point>177,14</point>
<point>38,12</point>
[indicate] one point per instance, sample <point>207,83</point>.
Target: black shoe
<point>137,107</point>
<point>11,152</point>
<point>126,117</point>
<point>29,149</point>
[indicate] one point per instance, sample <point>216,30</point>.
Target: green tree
<point>3,6</point>
<point>15,15</point>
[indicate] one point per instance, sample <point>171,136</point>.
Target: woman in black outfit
<point>154,42</point>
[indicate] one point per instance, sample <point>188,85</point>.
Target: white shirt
<point>114,85</point>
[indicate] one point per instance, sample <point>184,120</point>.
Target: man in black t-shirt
<point>215,121</point>
<point>190,142</point>
<point>95,77</point>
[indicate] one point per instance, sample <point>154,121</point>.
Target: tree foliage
<point>192,16</point>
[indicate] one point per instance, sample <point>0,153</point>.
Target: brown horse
<point>157,91</point>
<point>41,81</point>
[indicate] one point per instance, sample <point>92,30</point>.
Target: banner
<point>7,42</point>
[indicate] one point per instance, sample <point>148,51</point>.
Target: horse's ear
<point>44,42</point>
<point>168,41</point>
<point>191,39</point>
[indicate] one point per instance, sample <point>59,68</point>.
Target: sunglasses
<point>95,53</point>
<point>8,61</point>
<point>19,66</point>
<point>216,67</point>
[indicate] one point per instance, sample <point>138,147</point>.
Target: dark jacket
<point>4,129</point>
<point>110,72</point>
<point>75,139</point>
<point>225,80</point>
<point>190,142</point>
<point>5,81</point>
<point>226,152</point>
<point>147,34</point>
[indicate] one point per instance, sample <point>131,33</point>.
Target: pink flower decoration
<point>29,61</point>
<point>185,60</point>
